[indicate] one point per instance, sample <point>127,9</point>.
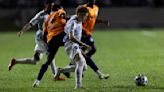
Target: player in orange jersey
<point>53,34</point>
<point>88,26</point>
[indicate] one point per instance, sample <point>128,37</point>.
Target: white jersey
<point>74,26</point>
<point>39,18</point>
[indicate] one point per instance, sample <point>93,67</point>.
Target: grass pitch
<point>121,53</point>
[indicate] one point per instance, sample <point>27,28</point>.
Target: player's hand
<point>86,47</point>
<point>19,33</point>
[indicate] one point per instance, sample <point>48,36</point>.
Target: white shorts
<point>72,49</point>
<point>40,46</point>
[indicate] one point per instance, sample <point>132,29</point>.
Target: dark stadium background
<point>121,13</point>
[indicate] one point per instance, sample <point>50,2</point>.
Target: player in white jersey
<point>41,46</point>
<point>73,30</point>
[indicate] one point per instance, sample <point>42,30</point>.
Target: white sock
<point>70,68</point>
<point>78,75</point>
<point>98,72</point>
<point>26,61</point>
<point>79,71</point>
<point>53,67</point>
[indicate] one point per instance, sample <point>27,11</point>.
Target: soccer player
<point>41,45</point>
<point>88,26</point>
<point>53,34</point>
<point>73,30</point>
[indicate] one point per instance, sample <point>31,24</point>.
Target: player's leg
<point>42,47</point>
<point>67,69</point>
<point>91,63</point>
<point>80,65</point>
<point>89,41</point>
<point>43,69</point>
<point>55,72</point>
<point>39,49</point>
<point>53,67</point>
<point>78,68</point>
<point>32,61</point>
<point>71,68</point>
<point>53,47</point>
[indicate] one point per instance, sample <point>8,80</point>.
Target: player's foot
<point>36,83</point>
<point>68,75</point>
<point>59,78</point>
<point>12,63</point>
<point>57,75</point>
<point>104,76</point>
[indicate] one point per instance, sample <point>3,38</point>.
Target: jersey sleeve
<point>35,19</point>
<point>62,13</point>
<point>70,27</point>
<point>45,24</point>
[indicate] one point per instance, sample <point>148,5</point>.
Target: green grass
<point>121,53</point>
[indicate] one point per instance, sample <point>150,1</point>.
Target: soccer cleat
<point>36,83</point>
<point>58,78</point>
<point>104,76</point>
<point>12,63</point>
<point>36,56</point>
<point>57,75</point>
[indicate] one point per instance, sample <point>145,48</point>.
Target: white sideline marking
<point>148,33</point>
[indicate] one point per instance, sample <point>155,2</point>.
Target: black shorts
<point>56,42</point>
<point>87,39</point>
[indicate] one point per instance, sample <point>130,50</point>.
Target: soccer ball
<point>141,80</point>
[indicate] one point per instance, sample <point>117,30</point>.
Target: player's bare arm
<point>72,38</point>
<point>45,33</point>
<point>24,29</point>
<point>106,22</point>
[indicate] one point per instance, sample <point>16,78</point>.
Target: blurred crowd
<point>74,3</point>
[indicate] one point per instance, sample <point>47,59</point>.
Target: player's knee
<point>85,67</point>
<point>84,63</point>
<point>36,56</point>
<point>77,57</point>
<point>35,62</point>
<point>93,50</point>
<point>81,62</point>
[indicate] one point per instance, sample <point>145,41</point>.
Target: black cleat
<point>67,74</point>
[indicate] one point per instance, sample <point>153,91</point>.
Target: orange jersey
<point>54,24</point>
<point>88,25</point>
